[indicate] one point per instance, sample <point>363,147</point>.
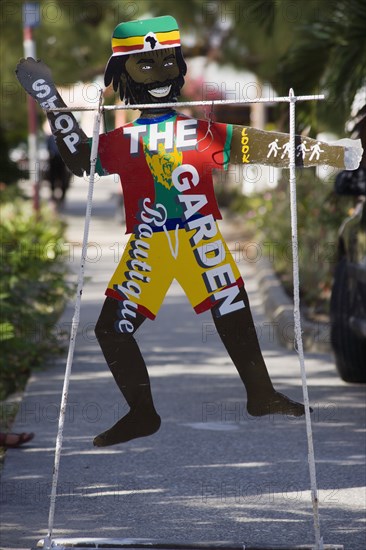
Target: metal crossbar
<point>177,105</point>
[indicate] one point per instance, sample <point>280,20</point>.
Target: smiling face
<point>153,77</point>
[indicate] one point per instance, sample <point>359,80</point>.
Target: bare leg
<point>128,367</point>
<point>237,332</point>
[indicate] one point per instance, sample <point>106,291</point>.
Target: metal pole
<point>297,323</point>
<point>74,325</point>
<point>33,161</point>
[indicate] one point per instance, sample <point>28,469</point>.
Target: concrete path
<point>211,472</point>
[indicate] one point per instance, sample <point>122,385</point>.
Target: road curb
<point>278,307</point>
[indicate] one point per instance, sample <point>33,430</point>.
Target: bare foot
<point>276,403</point>
<point>133,425</point>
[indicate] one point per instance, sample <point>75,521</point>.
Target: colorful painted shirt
<point>164,158</point>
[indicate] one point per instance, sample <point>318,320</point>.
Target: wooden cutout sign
<point>165,162</point>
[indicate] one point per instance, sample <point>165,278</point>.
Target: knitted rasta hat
<point>145,36</point>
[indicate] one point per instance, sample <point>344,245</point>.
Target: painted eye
<point>168,63</point>
<point>146,67</point>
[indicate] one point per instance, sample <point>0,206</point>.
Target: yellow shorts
<point>151,261</point>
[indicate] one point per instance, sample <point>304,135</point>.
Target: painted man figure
<point>165,162</point>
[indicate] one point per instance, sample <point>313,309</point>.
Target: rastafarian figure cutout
<point>165,162</point>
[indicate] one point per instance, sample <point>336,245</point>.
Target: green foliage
<point>310,46</point>
<point>335,48</point>
<point>313,47</point>
<point>73,38</point>
<point>320,213</point>
<point>329,55</point>
<point>33,289</point>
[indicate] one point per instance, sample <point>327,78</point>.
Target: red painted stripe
<point>141,47</point>
<point>146,312</point>
<point>141,309</point>
<point>127,48</point>
<point>113,294</point>
<point>168,42</point>
<point>208,304</point>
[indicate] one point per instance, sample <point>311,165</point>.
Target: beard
<point>136,92</point>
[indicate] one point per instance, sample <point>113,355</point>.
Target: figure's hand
<point>36,79</point>
<point>352,152</point>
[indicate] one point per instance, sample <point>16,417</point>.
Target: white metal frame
<point>49,543</point>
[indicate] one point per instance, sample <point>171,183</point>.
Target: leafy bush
<point>33,289</point>
<point>319,215</point>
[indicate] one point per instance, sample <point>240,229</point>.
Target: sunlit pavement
<point>211,472</point>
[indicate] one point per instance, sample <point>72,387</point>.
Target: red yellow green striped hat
<point>145,35</point>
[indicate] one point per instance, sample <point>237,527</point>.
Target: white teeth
<point>160,92</point>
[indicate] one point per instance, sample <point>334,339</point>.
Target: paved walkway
<point>211,472</point>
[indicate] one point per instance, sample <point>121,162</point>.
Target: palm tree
<point>312,46</point>
<point>328,53</point>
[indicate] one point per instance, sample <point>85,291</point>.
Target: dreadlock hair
<point>116,70</point>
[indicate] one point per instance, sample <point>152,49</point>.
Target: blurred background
<point>312,46</point>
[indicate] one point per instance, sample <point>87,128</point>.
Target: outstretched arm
<point>252,146</point>
<point>36,79</point>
